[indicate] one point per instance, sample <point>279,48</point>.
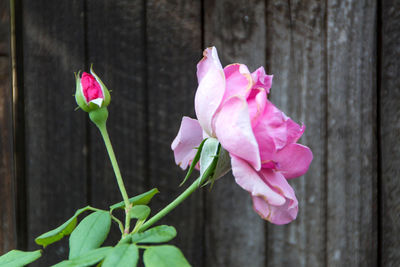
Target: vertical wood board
<point>173,36</point>
<point>53,47</point>
<point>296,57</point>
<point>352,146</point>
<point>116,47</point>
<point>390,133</point>
<point>8,234</point>
<point>235,234</point>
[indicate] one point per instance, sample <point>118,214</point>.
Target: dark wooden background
<point>337,69</point>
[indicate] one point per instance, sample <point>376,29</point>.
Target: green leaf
<point>61,231</point>
<point>141,199</point>
<point>158,234</point>
<point>18,258</point>
<point>89,234</point>
<point>140,212</point>
<point>164,256</point>
<point>194,162</point>
<point>88,259</point>
<point>122,255</point>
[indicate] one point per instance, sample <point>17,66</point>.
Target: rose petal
<point>294,131</point>
<point>209,61</point>
<point>277,214</point>
<point>189,136</point>
<point>293,160</point>
<point>238,81</point>
<point>278,126</point>
<point>233,129</point>
<point>265,137</point>
<point>211,88</point>
<point>261,79</point>
<point>273,122</point>
<point>91,89</point>
<point>256,101</point>
<point>250,180</point>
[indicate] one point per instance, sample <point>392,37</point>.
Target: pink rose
<point>91,93</point>
<point>231,105</point>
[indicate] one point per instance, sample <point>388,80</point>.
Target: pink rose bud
<point>91,93</point>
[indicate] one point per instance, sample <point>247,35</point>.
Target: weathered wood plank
<point>352,147</point>
<point>53,47</point>
<point>173,49</point>
<point>8,234</point>
<point>390,133</point>
<point>235,234</point>
<point>296,49</point>
<point>116,47</point>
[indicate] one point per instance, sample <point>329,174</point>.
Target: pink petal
<point>294,131</point>
<point>265,137</point>
<point>91,88</point>
<point>250,180</point>
<point>238,81</point>
<point>293,160</point>
<point>209,61</point>
<point>262,80</point>
<point>211,88</point>
<point>256,101</point>
<point>274,124</point>
<point>189,136</point>
<point>278,126</point>
<point>277,214</point>
<point>233,129</point>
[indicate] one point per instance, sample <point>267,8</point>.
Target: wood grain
<point>115,44</point>
<point>8,234</point>
<point>235,234</point>
<point>55,135</point>
<point>352,146</point>
<point>173,36</point>
<point>390,133</point>
<point>296,57</point>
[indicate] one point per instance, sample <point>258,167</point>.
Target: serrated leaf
<point>164,256</point>
<point>89,234</point>
<point>140,212</point>
<point>158,234</point>
<point>88,259</point>
<point>141,199</point>
<point>61,231</point>
<point>18,258</point>
<point>194,162</point>
<point>122,256</point>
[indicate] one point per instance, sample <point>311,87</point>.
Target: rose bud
<point>91,93</point>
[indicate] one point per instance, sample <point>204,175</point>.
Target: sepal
<point>79,98</point>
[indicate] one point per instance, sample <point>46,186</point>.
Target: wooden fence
<point>336,68</point>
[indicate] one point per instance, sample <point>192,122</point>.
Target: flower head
<point>91,93</point>
<point>231,105</point>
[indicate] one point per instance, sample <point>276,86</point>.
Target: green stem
<point>103,130</point>
<point>120,225</point>
<point>171,205</point>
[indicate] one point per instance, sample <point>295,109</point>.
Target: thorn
<point>76,108</point>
